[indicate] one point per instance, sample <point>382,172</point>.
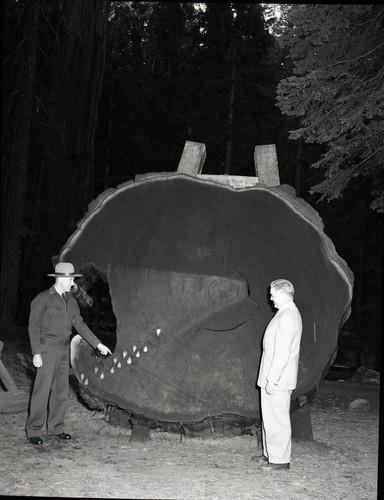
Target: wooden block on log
<point>266,166</point>
<point>13,401</point>
<point>192,159</point>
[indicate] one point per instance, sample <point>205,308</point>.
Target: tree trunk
<point>69,79</point>
<point>77,64</point>
<point>109,134</point>
<point>230,124</point>
<point>298,168</point>
<point>359,288</point>
<point>15,161</point>
<point>378,360</point>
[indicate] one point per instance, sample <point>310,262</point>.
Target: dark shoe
<point>268,466</point>
<point>63,435</point>
<point>36,440</point>
<point>259,458</point>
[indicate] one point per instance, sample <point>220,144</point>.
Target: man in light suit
<point>278,376</point>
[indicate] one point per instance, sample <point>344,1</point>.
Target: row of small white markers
<point>118,363</point>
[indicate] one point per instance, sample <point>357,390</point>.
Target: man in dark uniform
<point>53,313</point>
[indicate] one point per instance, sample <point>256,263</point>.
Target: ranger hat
<point>65,270</point>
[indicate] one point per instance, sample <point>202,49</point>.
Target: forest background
<point>96,92</point>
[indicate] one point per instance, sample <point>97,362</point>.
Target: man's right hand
<point>37,360</point>
<point>270,388</point>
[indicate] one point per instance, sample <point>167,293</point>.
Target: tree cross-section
<point>188,262</point>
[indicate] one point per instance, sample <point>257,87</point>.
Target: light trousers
<point>276,426</point>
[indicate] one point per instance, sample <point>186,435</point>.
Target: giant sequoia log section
<point>188,263</point>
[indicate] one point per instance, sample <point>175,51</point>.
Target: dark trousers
<point>50,393</point>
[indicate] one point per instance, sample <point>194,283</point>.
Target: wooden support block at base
<point>13,401</point>
<point>301,423</point>
<point>139,433</point>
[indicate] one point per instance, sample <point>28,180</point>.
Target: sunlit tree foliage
<point>337,90</point>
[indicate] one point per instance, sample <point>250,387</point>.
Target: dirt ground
<point>101,462</point>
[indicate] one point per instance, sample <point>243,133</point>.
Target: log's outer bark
<point>195,258</point>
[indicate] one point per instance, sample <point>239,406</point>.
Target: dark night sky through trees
<point>116,90</point>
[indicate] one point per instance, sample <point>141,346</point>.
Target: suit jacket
<point>281,349</point>
<point>51,320</point>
